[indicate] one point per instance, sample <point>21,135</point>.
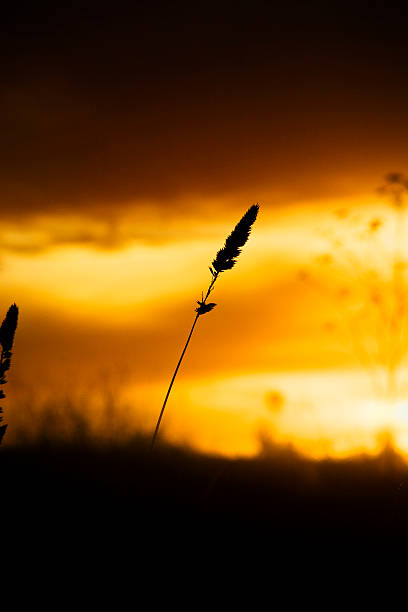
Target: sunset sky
<point>133,137</point>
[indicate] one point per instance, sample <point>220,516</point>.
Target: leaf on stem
<point>203,307</point>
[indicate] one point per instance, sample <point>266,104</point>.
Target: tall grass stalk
<point>7,331</point>
<point>224,260</point>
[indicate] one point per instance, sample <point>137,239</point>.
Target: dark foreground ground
<point>119,494</point>
<point>79,518</point>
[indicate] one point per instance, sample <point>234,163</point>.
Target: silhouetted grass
<point>224,260</point>
<point>7,332</point>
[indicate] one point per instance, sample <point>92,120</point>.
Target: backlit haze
<point>132,142</point>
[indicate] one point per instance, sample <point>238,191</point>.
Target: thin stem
<point>3,427</point>
<point>171,383</point>
<point>178,365</point>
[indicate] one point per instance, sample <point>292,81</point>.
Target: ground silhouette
<point>125,493</point>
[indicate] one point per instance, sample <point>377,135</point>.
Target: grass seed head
<point>8,329</point>
<point>226,257</point>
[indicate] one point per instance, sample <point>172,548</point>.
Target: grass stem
<point>178,365</point>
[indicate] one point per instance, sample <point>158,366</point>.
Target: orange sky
<point>101,323</point>
<point>132,142</point>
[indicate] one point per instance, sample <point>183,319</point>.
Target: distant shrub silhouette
<point>7,331</point>
<point>224,260</point>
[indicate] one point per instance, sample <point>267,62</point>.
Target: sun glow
<point>295,348</point>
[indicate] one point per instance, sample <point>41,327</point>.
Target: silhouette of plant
<point>224,260</point>
<point>368,272</point>
<point>7,331</point>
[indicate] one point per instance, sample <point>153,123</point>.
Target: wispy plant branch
<point>224,260</point>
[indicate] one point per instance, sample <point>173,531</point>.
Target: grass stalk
<point>224,260</point>
<point>7,331</point>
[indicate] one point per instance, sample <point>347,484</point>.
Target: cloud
<point>260,329</point>
<point>104,111</point>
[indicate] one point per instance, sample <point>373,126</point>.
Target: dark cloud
<point>107,106</point>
